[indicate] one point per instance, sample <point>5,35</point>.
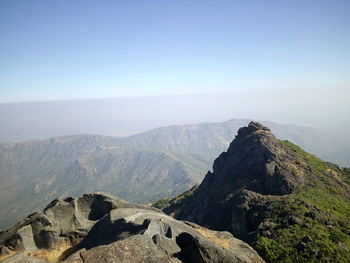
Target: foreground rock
<point>102,228</point>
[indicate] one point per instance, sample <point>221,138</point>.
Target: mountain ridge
<point>67,165</point>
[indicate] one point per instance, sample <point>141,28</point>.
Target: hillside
<point>288,204</point>
<point>145,167</point>
<point>33,173</point>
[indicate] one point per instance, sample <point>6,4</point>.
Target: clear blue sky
<point>71,49</point>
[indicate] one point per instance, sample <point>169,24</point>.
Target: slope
<point>32,173</point>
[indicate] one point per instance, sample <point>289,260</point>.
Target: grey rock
<point>293,220</point>
<point>150,236</point>
<point>266,233</point>
<point>113,230</point>
<point>314,252</point>
<point>301,246</point>
<point>235,197</point>
<point>4,251</point>
<point>307,239</point>
<point>308,226</point>
<point>65,219</point>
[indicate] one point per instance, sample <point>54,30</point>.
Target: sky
<point>61,50</point>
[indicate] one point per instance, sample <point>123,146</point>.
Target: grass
<point>52,255</point>
<point>329,231</point>
<point>211,235</point>
<point>57,253</point>
<point>163,203</point>
<point>5,256</point>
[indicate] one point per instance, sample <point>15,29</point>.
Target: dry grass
<point>3,257</point>
<point>52,255</point>
<point>57,253</point>
<point>211,235</point>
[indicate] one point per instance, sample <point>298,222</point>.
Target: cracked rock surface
<point>110,229</point>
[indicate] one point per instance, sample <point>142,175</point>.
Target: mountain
<point>288,204</point>
<point>32,173</point>
<point>99,227</point>
<point>210,139</point>
<point>142,168</point>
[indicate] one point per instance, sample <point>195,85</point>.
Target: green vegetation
<point>162,203</point>
<point>328,230</point>
<point>310,159</point>
<point>322,233</point>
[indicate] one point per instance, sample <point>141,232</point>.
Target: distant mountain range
<point>145,167</point>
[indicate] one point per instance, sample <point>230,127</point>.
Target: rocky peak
<point>256,161</point>
<point>253,127</point>
<point>260,189</point>
<point>256,166</point>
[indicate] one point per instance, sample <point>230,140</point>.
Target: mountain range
<point>287,204</point>
<point>142,168</point>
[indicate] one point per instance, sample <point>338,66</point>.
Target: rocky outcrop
<point>245,177</point>
<point>103,228</point>
<point>149,236</point>
<point>63,220</point>
<point>236,197</point>
<point>275,196</point>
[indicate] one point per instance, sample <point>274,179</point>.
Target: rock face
<point>103,228</point>
<point>254,167</point>
<point>264,190</point>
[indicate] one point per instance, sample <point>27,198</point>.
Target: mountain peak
<point>257,161</point>
<point>253,127</point>
<point>255,188</point>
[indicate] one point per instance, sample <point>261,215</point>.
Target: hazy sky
<point>51,50</point>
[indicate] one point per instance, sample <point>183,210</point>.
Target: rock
<point>293,220</point>
<point>254,182</point>
<point>313,214</point>
<point>266,233</point>
<point>301,246</point>
<point>194,249</point>
<point>4,251</point>
<point>150,236</point>
<point>308,226</point>
<point>65,219</point>
<point>314,252</point>
<point>113,230</point>
<point>307,239</point>
<point>266,225</point>
<point>254,171</point>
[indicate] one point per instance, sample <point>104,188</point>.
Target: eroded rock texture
<point>103,228</point>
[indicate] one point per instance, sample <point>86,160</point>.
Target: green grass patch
<point>162,203</point>
<point>329,231</point>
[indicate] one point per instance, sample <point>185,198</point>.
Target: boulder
<point>99,227</point>
<point>150,236</point>
<point>63,220</point>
